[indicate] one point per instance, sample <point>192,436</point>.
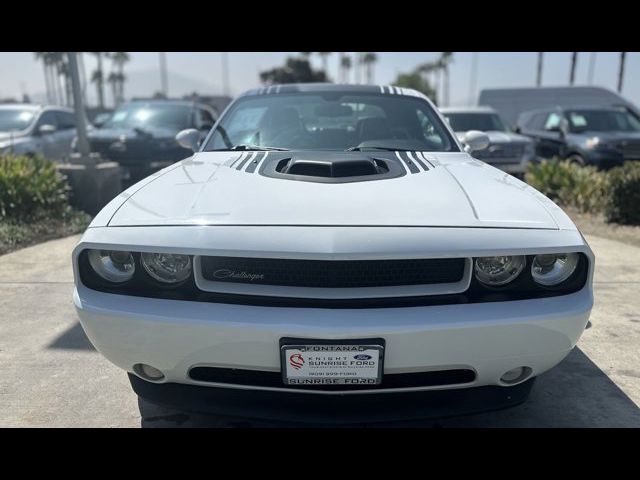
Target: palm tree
<point>623,57</point>
<point>60,70</point>
<point>325,62</point>
<point>98,78</point>
<point>539,69</point>
<point>345,67</point>
<point>119,59</point>
<point>113,80</point>
<point>434,69</point>
<point>45,58</point>
<point>572,73</point>
<point>369,59</point>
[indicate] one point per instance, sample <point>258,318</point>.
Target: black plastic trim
<point>297,407</point>
<point>258,378</point>
<point>524,288</point>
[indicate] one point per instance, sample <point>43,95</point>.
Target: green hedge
<point>583,188</point>
<point>31,187</point>
<point>623,199</point>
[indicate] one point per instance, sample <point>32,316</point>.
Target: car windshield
<point>602,121</point>
<point>331,121</point>
<point>463,122</point>
<point>15,119</point>
<point>150,115</point>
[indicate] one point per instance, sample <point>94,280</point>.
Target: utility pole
<point>78,106</point>
<point>164,80</point>
<point>225,72</point>
<point>539,69</point>
<point>473,81</point>
<point>592,66</point>
<point>572,73</point>
<point>621,70</point>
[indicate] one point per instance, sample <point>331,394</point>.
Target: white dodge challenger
<point>332,253</point>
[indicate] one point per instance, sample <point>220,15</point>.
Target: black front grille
<point>258,378</point>
<point>501,151</point>
<point>631,151</point>
<point>332,273</point>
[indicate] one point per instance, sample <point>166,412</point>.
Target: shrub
<point>31,187</point>
<point>582,188</point>
<point>623,200</point>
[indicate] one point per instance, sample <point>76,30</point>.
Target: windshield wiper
<point>248,146</point>
<point>390,149</point>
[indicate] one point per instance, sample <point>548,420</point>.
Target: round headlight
<point>553,269</point>
<point>112,265</point>
<point>167,267</point>
<point>496,271</point>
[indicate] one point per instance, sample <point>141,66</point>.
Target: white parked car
<point>332,253</point>
<point>27,129</point>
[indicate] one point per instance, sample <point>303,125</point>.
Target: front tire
<point>576,159</point>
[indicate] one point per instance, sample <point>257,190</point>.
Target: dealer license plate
<point>349,362</point>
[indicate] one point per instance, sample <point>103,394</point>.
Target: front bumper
<point>489,338</point>
<point>289,407</point>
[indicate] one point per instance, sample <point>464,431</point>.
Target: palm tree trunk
<point>572,74</point>
<point>623,56</point>
<point>539,69</point>
<point>100,83</point>
<point>83,76</point>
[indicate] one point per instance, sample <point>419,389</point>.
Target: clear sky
<point>188,71</point>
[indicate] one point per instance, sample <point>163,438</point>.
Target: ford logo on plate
<point>362,356</point>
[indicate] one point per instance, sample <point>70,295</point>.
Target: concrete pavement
<point>51,376</point>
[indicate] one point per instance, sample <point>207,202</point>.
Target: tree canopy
<point>295,70</point>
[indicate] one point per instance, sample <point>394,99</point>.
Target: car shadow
<point>73,338</point>
<point>576,393</point>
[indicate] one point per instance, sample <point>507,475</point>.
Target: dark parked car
<point>600,136</point>
<point>140,135</point>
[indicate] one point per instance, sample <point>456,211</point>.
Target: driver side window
<point>553,121</point>
<point>47,118</point>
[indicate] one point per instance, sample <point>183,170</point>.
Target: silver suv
<point>507,150</point>
<point>37,130</point>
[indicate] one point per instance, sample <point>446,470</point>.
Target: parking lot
<point>52,377</point>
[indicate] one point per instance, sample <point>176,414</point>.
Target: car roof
<point>23,106</point>
<point>34,107</point>
<point>470,109</point>
<point>331,87</point>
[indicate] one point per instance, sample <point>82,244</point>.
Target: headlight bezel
<point>522,288</point>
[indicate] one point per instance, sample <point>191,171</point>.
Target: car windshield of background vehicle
<point>15,119</point>
<point>602,121</point>
<point>149,115</point>
<point>463,122</point>
<point>332,121</point>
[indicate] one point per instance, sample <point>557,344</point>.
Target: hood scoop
<point>331,167</point>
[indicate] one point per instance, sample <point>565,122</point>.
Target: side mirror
<point>475,140</point>
<point>46,129</point>
<point>189,138</point>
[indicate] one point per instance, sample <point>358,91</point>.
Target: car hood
<point>7,136</point>
<point>208,189</point>
<point>129,134</point>
<point>609,136</point>
<point>498,137</point>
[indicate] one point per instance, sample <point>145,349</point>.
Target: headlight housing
<point>553,269</point>
<point>167,267</point>
<point>113,265</point>
<point>498,271</point>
